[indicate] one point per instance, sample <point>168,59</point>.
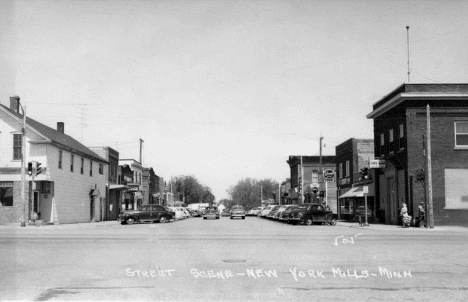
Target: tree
<point>247,192</point>
<point>191,190</point>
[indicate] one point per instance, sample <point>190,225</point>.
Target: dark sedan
<point>147,213</point>
<point>309,214</point>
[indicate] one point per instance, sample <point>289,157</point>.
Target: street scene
<point>245,150</point>
<point>254,259</point>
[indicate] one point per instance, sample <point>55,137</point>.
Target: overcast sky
<point>222,90</point>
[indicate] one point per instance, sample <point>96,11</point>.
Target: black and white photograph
<point>233,150</point>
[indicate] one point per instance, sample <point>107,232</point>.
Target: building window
<point>6,194</point>
<point>347,168</point>
<point>461,134</point>
<point>390,140</point>
<point>101,169</point>
<point>315,176</point>
<point>455,189</point>
<point>382,144</point>
<point>17,146</point>
<point>60,159</point>
<point>90,168</point>
<point>45,187</point>
<point>400,138</point>
<point>82,166</point>
<point>72,162</point>
<point>340,170</point>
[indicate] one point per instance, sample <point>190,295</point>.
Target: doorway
<point>36,206</point>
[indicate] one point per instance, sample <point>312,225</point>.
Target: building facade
<point>132,175</point>
<point>114,191</point>
<point>352,156</point>
<point>71,185</point>
<point>400,132</point>
<point>308,184</point>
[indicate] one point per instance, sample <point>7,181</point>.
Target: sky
<point>222,90</point>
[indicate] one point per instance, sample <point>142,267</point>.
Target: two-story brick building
<point>72,183</point>
<point>132,174</point>
<point>351,156</point>
<point>310,168</point>
<point>400,129</point>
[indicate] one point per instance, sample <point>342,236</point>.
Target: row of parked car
<point>306,213</point>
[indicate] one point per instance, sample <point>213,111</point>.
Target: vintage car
<point>147,213</point>
<point>211,213</point>
<point>284,215</point>
<point>308,214</point>
<point>237,211</point>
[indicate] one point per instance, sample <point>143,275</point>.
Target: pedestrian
<point>406,219</point>
<point>421,215</point>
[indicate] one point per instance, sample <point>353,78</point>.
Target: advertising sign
<point>377,163</point>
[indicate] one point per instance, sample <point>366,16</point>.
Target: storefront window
<point>360,207</point>
<point>6,196</point>
<point>346,206</point>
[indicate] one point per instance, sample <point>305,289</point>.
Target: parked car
<point>253,211</point>
<point>185,212</point>
<point>193,213</point>
<point>211,213</point>
<point>225,213</point>
<point>237,211</point>
<point>272,212</point>
<point>178,213</point>
<point>278,212</point>
<point>284,216</point>
<point>309,214</point>
<point>265,211</point>
<point>147,213</point>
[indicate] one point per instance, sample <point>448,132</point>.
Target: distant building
<point>132,175</point>
<point>313,188</point>
<point>400,128</point>
<point>352,156</point>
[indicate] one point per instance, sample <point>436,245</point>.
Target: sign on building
<point>377,163</point>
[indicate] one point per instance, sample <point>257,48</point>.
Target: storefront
<point>352,203</point>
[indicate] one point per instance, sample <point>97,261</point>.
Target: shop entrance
<point>36,206</point>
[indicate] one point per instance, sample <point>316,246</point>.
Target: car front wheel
<point>130,220</point>
<point>162,219</point>
<point>309,221</point>
<point>333,221</point>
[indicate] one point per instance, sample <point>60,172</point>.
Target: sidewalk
<point>390,227</point>
<point>78,225</point>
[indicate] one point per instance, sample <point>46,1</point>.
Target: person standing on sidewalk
<point>406,219</point>
<point>421,215</point>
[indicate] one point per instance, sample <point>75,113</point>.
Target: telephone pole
<point>23,161</point>
<point>430,209</point>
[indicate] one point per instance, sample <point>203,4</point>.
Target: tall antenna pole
<point>141,146</point>
<point>407,42</point>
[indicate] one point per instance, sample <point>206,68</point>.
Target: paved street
<point>232,260</point>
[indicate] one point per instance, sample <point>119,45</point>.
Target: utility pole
<point>279,193</point>
<point>302,181</point>
<point>261,195</point>
<point>407,43</point>
<point>141,147</point>
<point>429,171</point>
<point>23,172</point>
<point>320,180</point>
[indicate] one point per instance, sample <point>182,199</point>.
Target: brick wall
<point>14,214</point>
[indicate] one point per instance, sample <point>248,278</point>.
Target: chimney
<point>14,103</point>
<point>61,127</point>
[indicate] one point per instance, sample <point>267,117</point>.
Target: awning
<point>353,192</point>
<point>118,187</point>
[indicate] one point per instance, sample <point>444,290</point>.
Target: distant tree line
<point>250,192</point>
<point>188,189</point>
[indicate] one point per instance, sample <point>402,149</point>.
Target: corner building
<point>400,129</point>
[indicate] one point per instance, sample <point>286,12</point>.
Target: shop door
<point>392,207</point>
<point>91,210</point>
<point>36,205</point>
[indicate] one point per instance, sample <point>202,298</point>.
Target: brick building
<point>310,170</point>
<point>352,156</point>
<point>70,187</point>
<point>400,127</point>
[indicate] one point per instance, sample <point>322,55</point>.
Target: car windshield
<point>238,208</point>
<point>302,207</point>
